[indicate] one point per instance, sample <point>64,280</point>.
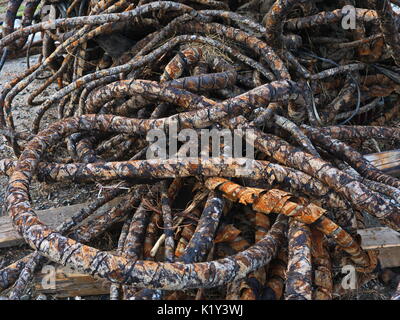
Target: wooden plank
<point>63,282</point>
<point>376,238</point>
<point>388,161</point>
<point>386,241</point>
<point>389,257</point>
<point>52,217</point>
<point>384,157</point>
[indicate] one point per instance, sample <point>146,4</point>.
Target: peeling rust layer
<point>279,202</point>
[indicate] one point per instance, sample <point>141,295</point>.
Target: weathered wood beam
<point>381,237</point>
<point>62,282</point>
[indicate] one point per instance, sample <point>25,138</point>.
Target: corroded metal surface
<point>199,245</point>
<point>322,267</point>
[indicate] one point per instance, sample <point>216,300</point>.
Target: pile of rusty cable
<point>309,84</point>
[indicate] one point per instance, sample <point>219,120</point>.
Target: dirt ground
<point>380,287</point>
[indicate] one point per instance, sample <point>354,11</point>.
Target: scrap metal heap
<point>307,90</point>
